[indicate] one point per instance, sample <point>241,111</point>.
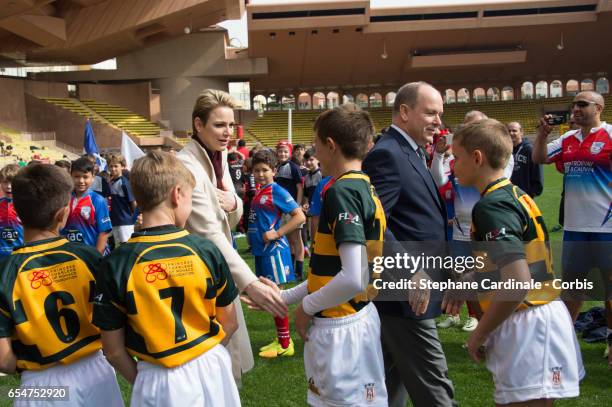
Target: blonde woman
<point>217,209</point>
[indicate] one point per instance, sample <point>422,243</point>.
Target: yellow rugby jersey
<point>508,215</point>
<point>351,213</point>
<point>163,286</point>
<point>46,302</point>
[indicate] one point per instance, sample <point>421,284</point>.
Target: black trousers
<point>415,364</point>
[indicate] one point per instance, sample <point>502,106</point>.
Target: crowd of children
<point>159,307</point>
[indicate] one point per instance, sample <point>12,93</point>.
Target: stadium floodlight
<point>384,54</point>
<point>561,45</point>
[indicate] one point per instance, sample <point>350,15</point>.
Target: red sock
<point>471,310</point>
<point>282,330</point>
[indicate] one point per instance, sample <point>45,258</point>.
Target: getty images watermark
<point>476,268</point>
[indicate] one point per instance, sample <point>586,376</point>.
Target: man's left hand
<point>301,320</point>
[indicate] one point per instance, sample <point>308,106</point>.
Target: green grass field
<point>281,382</point>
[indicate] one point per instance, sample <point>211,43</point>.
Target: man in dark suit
<point>413,355</point>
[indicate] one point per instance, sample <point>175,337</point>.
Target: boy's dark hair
<point>233,157</point>
<point>82,164</point>
<point>39,191</point>
<point>265,156</point>
<point>64,164</point>
<point>351,130</point>
<point>309,153</point>
<point>241,143</point>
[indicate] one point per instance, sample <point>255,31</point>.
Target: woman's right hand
<point>264,295</point>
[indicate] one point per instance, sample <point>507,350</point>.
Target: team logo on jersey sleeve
<point>86,212</point>
<point>154,272</point>
<point>38,278</point>
<point>349,218</point>
<point>494,234</point>
<point>597,146</point>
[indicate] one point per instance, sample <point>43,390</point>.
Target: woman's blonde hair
<point>207,101</point>
<point>153,177</point>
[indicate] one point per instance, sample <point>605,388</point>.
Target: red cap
<point>285,143</point>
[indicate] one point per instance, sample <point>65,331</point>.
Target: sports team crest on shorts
<point>370,392</point>
<point>556,375</point>
<point>312,387</point>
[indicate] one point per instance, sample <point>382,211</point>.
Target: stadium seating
<point>272,126</point>
<point>112,115</point>
<point>29,150</point>
<point>124,119</point>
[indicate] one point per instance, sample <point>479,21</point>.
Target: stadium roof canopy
<point>352,43</point>
<point>89,31</point>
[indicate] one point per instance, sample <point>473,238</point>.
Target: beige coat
<point>208,220</point>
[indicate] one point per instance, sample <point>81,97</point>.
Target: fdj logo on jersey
<point>38,278</point>
<point>154,272</point>
<point>349,218</point>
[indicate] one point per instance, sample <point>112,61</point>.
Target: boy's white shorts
<point>534,354</point>
<point>343,361</point>
<point>91,381</point>
<point>204,381</point>
<point>122,234</point>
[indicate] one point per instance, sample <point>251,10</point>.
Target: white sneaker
<point>451,320</point>
<point>470,324</point>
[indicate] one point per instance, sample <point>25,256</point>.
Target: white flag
<point>129,150</point>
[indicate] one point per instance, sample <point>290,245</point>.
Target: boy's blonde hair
<point>153,177</point>
<point>490,137</point>
<point>8,172</point>
<point>208,101</point>
<point>117,159</point>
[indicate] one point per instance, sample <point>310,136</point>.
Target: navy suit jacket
<point>413,206</point>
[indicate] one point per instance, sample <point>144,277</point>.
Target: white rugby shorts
<point>534,354</point>
<point>204,381</point>
<point>343,361</point>
<point>91,381</point>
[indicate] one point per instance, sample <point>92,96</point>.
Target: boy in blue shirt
<point>123,204</point>
<point>88,221</point>
<point>268,242</point>
<point>289,176</point>
<point>11,231</point>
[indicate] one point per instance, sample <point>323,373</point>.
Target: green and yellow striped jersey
<point>163,286</point>
<point>351,213</point>
<point>46,302</point>
<point>508,215</point>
